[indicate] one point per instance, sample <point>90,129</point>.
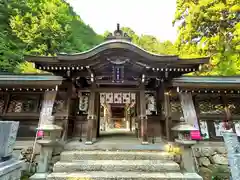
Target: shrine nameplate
<point>188,108</point>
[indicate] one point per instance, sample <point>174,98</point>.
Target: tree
<point>149,43</point>
<point>44,28</point>
<point>10,46</point>
<point>40,27</point>
<point>211,28</point>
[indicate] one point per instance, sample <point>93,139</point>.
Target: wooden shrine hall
<point>118,85</point>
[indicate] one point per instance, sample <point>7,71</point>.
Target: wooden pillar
<point>97,113</point>
<point>143,116</point>
<point>137,119</point>
<point>159,103</point>
<point>160,98</point>
<point>6,97</point>
<point>68,99</point>
<point>129,119</point>
<point>167,110</point>
<point>91,117</point>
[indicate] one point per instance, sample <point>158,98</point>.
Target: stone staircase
<point>113,165</point>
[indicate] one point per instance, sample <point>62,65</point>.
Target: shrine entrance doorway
<point>117,114</point>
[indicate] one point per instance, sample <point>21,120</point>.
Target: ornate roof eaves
<point>201,60</point>
<point>40,59</point>
<point>207,81</point>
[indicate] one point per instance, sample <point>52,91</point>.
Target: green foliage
<point>210,28</point>
<point>10,45</point>
<point>47,27</point>
<point>44,28</point>
<point>40,27</point>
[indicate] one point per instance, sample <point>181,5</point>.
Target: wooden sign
<point>188,108</point>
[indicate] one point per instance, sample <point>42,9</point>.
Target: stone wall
<point>212,160</point>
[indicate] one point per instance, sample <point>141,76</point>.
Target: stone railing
<point>212,160</point>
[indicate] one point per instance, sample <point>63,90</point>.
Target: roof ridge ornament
<point>118,34</point>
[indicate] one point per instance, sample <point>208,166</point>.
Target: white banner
<point>188,108</point>
<point>47,107</point>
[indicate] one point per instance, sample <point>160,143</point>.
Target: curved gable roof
<point>114,44</point>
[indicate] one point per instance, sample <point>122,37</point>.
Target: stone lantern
<point>48,142</point>
<point>184,140</point>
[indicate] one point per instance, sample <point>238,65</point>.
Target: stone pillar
<point>50,139</point>
<point>10,168</point>
<point>91,118</point>
<point>188,162</point>
<point>233,149</point>
<point>143,116</point>
<point>184,140</point>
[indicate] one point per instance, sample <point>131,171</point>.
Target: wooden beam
<point>116,89</point>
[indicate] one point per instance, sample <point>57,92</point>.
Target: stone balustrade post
<point>233,150</point>
<point>188,162</point>
<point>10,168</point>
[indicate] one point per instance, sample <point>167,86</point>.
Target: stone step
<point>117,165</point>
<point>100,175</point>
<point>69,156</point>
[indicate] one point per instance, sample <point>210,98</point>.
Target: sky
<point>151,17</point>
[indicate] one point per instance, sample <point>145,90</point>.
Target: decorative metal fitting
<point>91,117</point>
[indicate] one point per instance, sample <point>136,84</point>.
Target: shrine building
<point>119,86</point>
